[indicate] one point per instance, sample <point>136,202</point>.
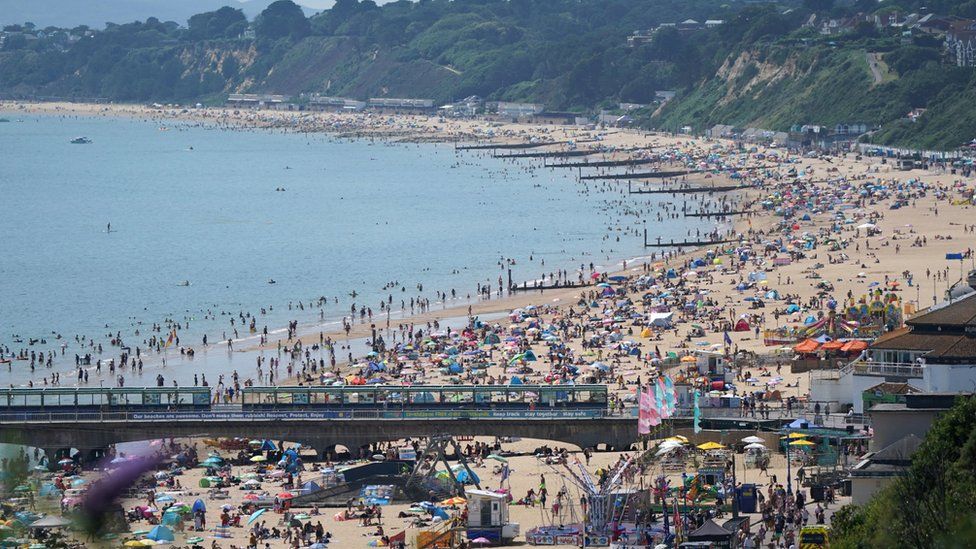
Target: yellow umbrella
<point>134,543</point>
<point>711,446</point>
<point>802,443</point>
<point>454,501</point>
<point>258,458</point>
<point>689,358</point>
<point>792,436</point>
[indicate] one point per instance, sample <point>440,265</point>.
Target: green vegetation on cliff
<point>765,65</point>
<point>933,505</point>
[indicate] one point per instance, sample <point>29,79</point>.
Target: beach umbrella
<point>755,446</point>
<point>793,436</point>
<point>254,516</point>
<point>481,541</point>
<point>711,446</point>
<point>497,457</point>
<point>133,543</point>
<point>258,459</point>
<point>802,443</point>
<point>50,522</point>
<point>286,495</point>
<point>199,506</point>
<point>454,501</point>
<point>753,439</point>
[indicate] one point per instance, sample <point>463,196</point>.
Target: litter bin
<point>746,494</point>
<point>817,492</point>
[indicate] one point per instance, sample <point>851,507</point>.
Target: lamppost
<point>789,474</point>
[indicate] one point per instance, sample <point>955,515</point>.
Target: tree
<point>933,505</point>
<point>818,5</point>
<point>223,23</point>
<point>282,19</point>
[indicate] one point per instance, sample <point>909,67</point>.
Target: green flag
<point>697,414</point>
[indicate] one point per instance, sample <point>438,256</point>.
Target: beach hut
<point>488,517</point>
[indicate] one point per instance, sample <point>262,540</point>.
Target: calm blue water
<point>353,217</point>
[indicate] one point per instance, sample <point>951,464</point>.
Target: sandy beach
<point>827,232</point>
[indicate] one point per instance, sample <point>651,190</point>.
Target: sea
<point>153,221</point>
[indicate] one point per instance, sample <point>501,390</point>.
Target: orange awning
<point>855,346</point>
<point>807,346</point>
<point>832,345</point>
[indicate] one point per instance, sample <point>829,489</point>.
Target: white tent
<point>662,320</point>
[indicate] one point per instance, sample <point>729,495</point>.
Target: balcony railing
<point>899,369</point>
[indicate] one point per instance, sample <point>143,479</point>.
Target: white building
<point>518,109</point>
<point>935,352</point>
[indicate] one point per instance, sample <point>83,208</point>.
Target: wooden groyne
<point>643,175</point>
<point>666,174</point>
<point>513,146</point>
<point>548,154</point>
<point>686,243</point>
<point>690,190</point>
<point>718,214</point>
<point>525,287</point>
<point>606,163</point>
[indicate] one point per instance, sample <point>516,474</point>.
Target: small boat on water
<point>80,141</point>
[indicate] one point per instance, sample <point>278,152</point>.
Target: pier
<point>322,430</point>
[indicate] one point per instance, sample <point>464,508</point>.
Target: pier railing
<point>235,413</point>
